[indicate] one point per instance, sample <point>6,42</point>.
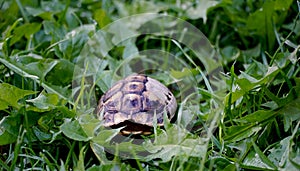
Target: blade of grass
<point>22,11</point>
<point>17,149</point>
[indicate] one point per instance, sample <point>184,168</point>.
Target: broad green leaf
<point>257,159</point>
<point>137,7</point>
<point>70,47</point>
<point>187,148</point>
<point>186,72</point>
<point>261,22</point>
<point>253,162</point>
<point>46,15</point>
<point>111,166</point>
<point>251,53</point>
<point>234,96</point>
<point>279,153</point>
<point>222,163</point>
<point>53,28</point>
<point>175,141</point>
<point>51,119</point>
<point>130,48</point>
<point>290,26</point>
<point>104,80</point>
<point>10,95</point>
<point>112,142</point>
<point>9,128</point>
<point>257,117</point>
<point>73,130</point>
<point>105,136</point>
<point>53,6</point>
<point>200,10</point>
<point>41,135</point>
<point>187,116</point>
<point>61,74</point>
<point>89,124</point>
<point>40,68</point>
<point>45,101</point>
<point>230,53</point>
<point>100,152</point>
<point>257,69</point>
<point>237,133</point>
<point>283,5</point>
<point>25,30</point>
<point>6,137</point>
<point>291,111</point>
<point>14,65</point>
<point>101,17</point>
<point>247,83</point>
<point>62,92</point>
<point>121,32</point>
<point>126,149</point>
<point>264,19</point>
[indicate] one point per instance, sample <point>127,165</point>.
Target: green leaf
<point>137,7</point>
<point>175,141</point>
<point>251,53</point>
<point>100,153</point>
<point>32,66</point>
<point>10,95</point>
<point>46,15</point>
<point>41,135</point>
<point>264,19</point>
<point>101,17</point>
<point>256,159</point>
<point>247,83</point>
<point>186,72</point>
<point>291,111</point>
<point>111,166</point>
<point>105,136</point>
<point>9,128</point>
<point>200,9</point>
<point>237,133</point>
<point>25,30</point>
<point>222,163</point>
<point>45,101</point>
<point>279,153</point>
<point>261,22</point>
<point>53,28</point>
<point>73,130</point>
<point>6,137</point>
<point>40,68</point>
<point>230,53</point>
<point>56,77</point>
<point>89,124</point>
<point>257,117</point>
<point>70,47</point>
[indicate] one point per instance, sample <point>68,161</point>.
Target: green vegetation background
<point>258,44</point>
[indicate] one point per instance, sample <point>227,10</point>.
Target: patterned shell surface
<point>137,98</point>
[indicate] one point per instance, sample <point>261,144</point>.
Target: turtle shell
<point>133,102</point>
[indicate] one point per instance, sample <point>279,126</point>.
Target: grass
<point>237,90</point>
